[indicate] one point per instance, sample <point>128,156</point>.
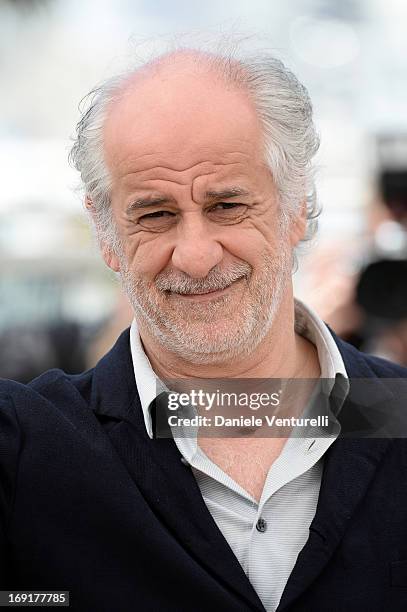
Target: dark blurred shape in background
<point>26,352</point>
<point>381,290</point>
<point>381,285</point>
<point>393,188</point>
<point>25,5</point>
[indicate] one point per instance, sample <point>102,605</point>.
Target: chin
<point>210,343</point>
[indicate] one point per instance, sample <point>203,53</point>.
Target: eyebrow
<point>224,194</point>
<point>146,202</point>
<point>212,194</point>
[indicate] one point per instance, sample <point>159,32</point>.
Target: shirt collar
<point>307,323</point>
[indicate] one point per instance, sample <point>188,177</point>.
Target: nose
<point>196,251</point>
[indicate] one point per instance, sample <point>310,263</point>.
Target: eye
<point>228,212</point>
<point>157,221</point>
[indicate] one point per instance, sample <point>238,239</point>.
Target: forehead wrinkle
<point>169,168</point>
<point>133,160</point>
<point>150,174</point>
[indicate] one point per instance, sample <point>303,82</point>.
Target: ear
<point>89,204</point>
<point>299,225</point>
<point>110,258</point>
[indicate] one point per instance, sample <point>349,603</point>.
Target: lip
<point>205,297</point>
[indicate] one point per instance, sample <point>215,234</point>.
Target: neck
<point>281,354</point>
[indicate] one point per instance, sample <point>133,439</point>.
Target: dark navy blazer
<point>91,505</point>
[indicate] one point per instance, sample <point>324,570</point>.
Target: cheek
<point>251,242</point>
<point>149,257</point>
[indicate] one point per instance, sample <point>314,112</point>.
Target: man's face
<point>206,256</point>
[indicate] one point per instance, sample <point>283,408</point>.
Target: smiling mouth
<point>204,294</point>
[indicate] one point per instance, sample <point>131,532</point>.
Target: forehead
<point>177,119</point>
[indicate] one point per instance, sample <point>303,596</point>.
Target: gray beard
<point>188,331</point>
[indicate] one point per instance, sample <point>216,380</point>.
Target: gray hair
<point>284,109</point>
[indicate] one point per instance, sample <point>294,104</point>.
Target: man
<point>198,176</point>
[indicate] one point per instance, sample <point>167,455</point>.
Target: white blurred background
<point>351,55</point>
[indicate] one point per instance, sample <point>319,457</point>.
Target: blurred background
<point>59,306</point>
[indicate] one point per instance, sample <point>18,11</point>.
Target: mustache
<point>179,282</point>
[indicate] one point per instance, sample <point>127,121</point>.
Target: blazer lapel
<point>155,466</point>
<point>349,467</point>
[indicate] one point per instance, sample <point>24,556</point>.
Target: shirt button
<point>261,525</point>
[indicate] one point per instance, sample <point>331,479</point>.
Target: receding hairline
<point>215,72</point>
<point>224,70</point>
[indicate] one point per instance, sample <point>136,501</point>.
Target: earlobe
<point>89,204</point>
<point>299,225</point>
<point>110,258</point>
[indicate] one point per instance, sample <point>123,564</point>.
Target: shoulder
<point>377,397</point>
<point>70,397</point>
<point>359,364</point>
<point>45,383</point>
<point>384,368</point>
<point>49,406</point>
<point>52,390</point>
<point>42,423</point>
